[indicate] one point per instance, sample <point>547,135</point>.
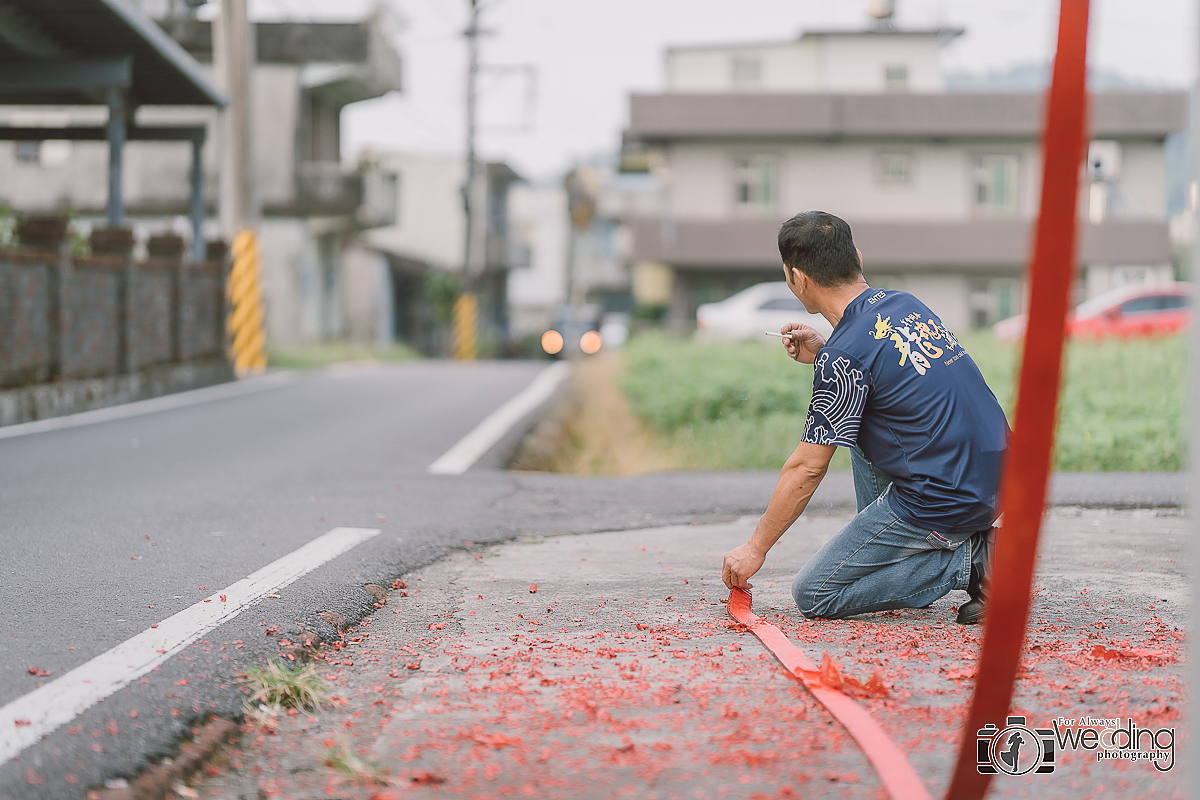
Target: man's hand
<point>802,345</point>
<point>741,563</point>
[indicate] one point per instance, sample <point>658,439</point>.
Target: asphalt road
<point>111,528</point>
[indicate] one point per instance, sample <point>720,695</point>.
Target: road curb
<point>505,449</point>
<point>158,781</point>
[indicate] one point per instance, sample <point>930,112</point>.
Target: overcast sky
<point>590,54</point>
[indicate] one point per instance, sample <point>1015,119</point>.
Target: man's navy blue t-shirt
<point>894,381</point>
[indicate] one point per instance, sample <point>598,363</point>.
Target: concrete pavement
<point>622,675</point>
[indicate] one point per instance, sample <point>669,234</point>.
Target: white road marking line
<point>469,449</point>
<point>27,719</point>
<point>155,404</point>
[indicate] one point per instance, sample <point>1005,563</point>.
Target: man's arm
<point>797,481</point>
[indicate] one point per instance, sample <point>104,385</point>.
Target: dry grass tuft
<point>593,431</point>
<point>343,758</point>
<point>275,686</point>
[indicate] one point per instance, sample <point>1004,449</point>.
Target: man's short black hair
<point>821,246</point>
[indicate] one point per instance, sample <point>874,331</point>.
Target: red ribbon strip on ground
<point>1027,468</point>
<point>897,775</point>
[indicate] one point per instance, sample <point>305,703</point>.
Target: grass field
<point>322,354</point>
<point>742,406</point>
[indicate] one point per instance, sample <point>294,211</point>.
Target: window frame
<point>771,204</point>
<point>881,176</point>
<point>28,152</point>
<point>977,166</point>
<point>890,84</point>
<point>743,82</point>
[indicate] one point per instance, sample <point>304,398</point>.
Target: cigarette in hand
<point>787,335</point>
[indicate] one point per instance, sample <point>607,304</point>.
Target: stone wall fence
<point>83,332</point>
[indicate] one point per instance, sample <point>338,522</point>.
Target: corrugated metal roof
<point>58,30</point>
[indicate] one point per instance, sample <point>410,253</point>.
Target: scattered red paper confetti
<point>496,740</point>
<point>842,777</point>
<point>830,676</point>
<point>426,777</point>
<point>20,723</point>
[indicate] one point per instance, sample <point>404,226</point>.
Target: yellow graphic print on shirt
<point>915,339</point>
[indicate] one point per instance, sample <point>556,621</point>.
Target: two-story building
<point>940,187</point>
<point>420,251</point>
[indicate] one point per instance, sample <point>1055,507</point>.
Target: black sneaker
<point>972,611</point>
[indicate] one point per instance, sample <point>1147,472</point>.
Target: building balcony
<point>669,117</point>
<point>327,189</point>
<point>332,189</point>
<point>1001,245</point>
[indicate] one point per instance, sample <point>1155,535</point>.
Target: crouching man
<point>925,433</point>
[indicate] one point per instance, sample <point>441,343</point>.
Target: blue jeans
<point>879,562</point>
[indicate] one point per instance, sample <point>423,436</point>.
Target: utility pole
<point>466,308</point>
<point>233,60</point>
<point>233,63</point>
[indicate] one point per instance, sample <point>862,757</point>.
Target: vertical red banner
<point>1027,466</point>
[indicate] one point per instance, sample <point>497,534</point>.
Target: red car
<point>1146,310</point>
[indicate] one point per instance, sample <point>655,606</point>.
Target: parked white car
<point>750,312</point>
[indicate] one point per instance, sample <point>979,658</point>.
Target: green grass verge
<point>322,354</point>
<point>742,405</point>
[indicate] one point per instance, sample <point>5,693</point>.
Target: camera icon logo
<point>1016,749</point>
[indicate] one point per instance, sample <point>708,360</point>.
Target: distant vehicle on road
<point>575,331</point>
<point>1146,310</point>
<point>750,312</point>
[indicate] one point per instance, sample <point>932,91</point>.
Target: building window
<point>894,168</point>
<point>895,78</point>
<point>756,182</point>
<point>747,72</point>
<point>993,299</point>
<point>996,184</point>
<point>28,152</point>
